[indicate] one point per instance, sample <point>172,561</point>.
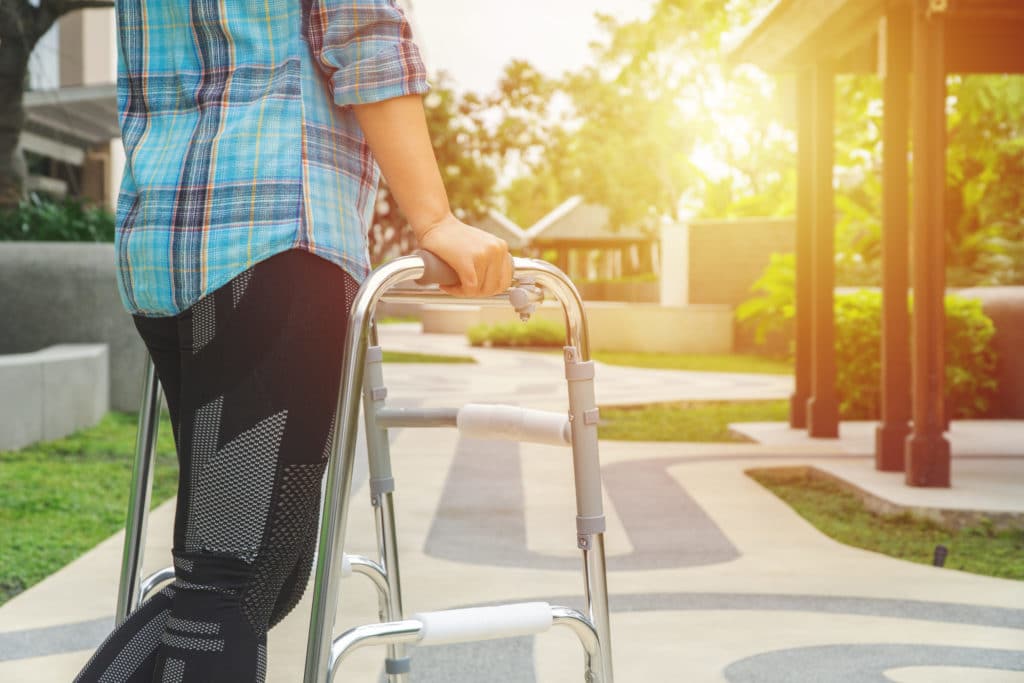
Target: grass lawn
<point>686,421</point>
<point>407,357</point>
<point>60,498</point>
<point>706,362</point>
<point>842,516</point>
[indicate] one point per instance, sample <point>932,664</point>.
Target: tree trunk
<point>15,49</point>
<point>12,118</point>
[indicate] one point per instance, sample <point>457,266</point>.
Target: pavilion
<point>576,234</point>
<point>913,45</point>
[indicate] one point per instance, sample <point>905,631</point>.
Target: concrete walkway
<point>713,579</point>
<point>536,378</point>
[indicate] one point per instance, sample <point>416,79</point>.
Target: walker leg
<point>327,582</point>
<point>128,594</point>
<point>398,664</point>
<point>382,486</point>
<point>590,520</point>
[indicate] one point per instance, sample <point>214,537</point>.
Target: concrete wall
<point>726,257</point>
<point>52,392</point>
<point>716,262</point>
<point>613,326</point>
<point>61,293</point>
<point>1005,305</point>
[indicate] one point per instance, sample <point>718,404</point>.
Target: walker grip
<point>436,271</point>
<point>491,421</point>
<point>484,623</point>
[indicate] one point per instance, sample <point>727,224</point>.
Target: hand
<point>480,259</point>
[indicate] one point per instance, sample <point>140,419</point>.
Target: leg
<point>260,361</point>
<point>262,382</point>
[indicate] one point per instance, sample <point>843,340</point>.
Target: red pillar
<point>804,237</point>
<point>928,453</point>
<point>823,407</point>
<point>891,434</point>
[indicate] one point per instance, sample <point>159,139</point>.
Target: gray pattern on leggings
<point>232,486</point>
<point>141,646</point>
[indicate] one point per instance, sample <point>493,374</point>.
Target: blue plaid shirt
<point>240,142</point>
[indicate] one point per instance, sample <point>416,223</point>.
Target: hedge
<point>971,383</point>
<point>38,219</point>
<point>537,332</point>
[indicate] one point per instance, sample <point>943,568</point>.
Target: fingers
<point>499,275</point>
<point>507,271</point>
<point>481,261</point>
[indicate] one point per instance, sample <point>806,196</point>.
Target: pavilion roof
<point>576,221</point>
<point>983,36</point>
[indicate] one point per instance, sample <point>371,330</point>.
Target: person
<point>255,134</point>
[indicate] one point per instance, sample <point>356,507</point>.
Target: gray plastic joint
<point>579,372</point>
<point>586,526</point>
<point>592,416</point>
<point>381,486</point>
<point>374,354</point>
<point>524,299</point>
<point>397,666</point>
<point>378,393</point>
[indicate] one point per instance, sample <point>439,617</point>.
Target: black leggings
<point>251,375</point>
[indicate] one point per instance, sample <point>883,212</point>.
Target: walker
<point>362,377</point>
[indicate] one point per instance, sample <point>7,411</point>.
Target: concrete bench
<point>52,392</point>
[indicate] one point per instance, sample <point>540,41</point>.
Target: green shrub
<point>970,358</point>
<point>971,381</point>
<point>49,221</point>
<point>765,322</point>
<point>535,333</point>
<point>858,354</point>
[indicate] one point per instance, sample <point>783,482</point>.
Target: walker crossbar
<point>485,421</point>
<point>468,625</point>
<point>362,380</point>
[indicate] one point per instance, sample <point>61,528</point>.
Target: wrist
<point>429,221</point>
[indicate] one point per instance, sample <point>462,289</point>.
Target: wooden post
<point>928,453</point>
<point>891,434</point>
<point>562,258</point>
<point>804,238</point>
<point>823,407</point>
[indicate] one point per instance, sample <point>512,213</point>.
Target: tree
<point>21,26</point>
<point>657,94</point>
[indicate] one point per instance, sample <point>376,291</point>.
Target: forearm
<point>396,130</point>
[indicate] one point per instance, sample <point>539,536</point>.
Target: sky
<point>474,39</point>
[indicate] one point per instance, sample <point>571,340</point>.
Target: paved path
<point>536,378</point>
<point>713,578</point>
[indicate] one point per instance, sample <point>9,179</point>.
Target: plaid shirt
<point>239,139</point>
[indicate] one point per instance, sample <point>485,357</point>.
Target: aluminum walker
<point>362,379</point>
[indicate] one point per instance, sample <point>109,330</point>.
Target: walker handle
<point>435,271</point>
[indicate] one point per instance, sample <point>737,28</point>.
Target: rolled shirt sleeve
<point>367,50</point>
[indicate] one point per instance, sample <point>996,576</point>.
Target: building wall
<point>88,49</point>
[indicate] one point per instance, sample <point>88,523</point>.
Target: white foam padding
<point>484,623</point>
<point>486,421</point>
